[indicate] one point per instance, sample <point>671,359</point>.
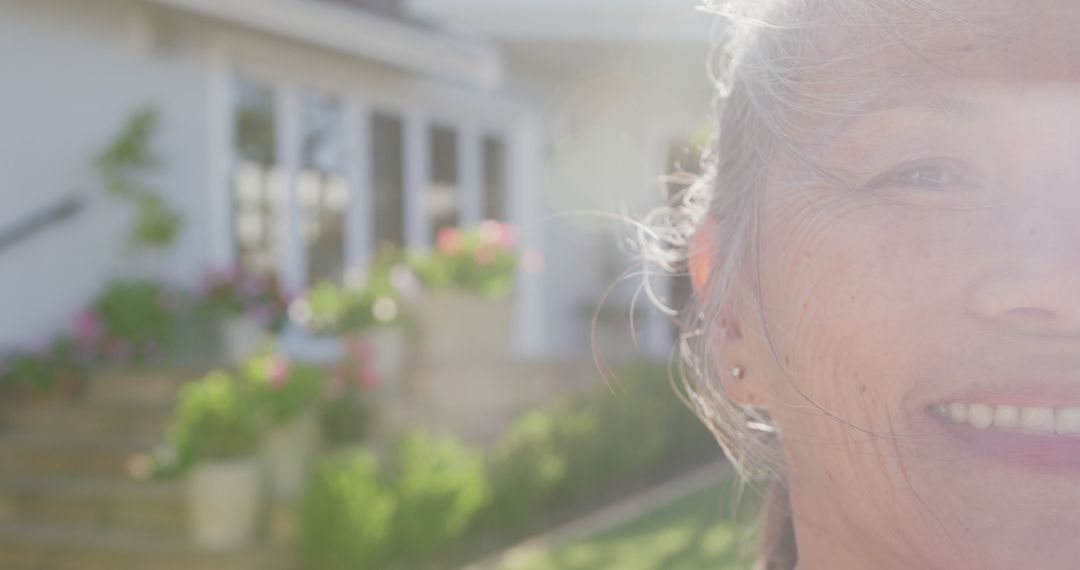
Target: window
<point>323,191</point>
<point>495,179</point>
<point>257,189</point>
<point>388,164</point>
<point>299,172</point>
<point>443,194</point>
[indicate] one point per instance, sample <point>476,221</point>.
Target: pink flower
<point>448,241</point>
<point>361,351</point>
<point>277,373</point>
<point>484,255</point>
<point>86,326</point>
<point>496,233</point>
<point>369,379</point>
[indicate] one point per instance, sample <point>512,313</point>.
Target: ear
<point>701,262</point>
<point>731,349</point>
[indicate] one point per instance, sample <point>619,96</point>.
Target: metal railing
<point>63,209</point>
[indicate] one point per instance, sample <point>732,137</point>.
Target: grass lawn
<point>700,530</point>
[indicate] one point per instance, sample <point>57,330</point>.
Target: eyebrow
<point>935,102</point>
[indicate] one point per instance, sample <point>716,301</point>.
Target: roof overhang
<point>570,21</point>
<point>469,60</point>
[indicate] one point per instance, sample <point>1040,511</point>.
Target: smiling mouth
<point>1045,421</point>
<point>1023,436</point>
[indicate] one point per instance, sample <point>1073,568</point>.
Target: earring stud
<point>738,372</point>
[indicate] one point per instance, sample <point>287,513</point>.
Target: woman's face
<point>919,342</point>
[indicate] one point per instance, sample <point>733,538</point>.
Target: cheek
<point>852,292</point>
<point>856,297</point>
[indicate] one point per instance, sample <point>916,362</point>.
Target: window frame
<point>474,117</point>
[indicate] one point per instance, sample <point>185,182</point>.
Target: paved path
<point>624,511</point>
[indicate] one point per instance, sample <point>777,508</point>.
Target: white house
<point>299,134</point>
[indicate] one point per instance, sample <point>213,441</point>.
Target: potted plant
<point>371,318</point>
<point>215,435</point>
<point>467,279</point>
<point>134,322</point>
<point>285,395</point>
<point>247,306</point>
<point>346,413</point>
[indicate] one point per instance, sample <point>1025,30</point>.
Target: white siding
<point>72,72</point>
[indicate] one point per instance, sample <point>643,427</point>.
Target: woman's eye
<point>923,175</point>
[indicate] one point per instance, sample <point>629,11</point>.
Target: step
<point>61,547</point>
<point>152,384</point>
<point>70,454</point>
<point>149,506</point>
<point>102,419</point>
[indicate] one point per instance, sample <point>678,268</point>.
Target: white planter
<point>286,452</point>
<point>459,326</point>
<point>241,337</point>
<point>223,503</point>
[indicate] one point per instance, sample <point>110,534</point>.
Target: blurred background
<point>343,284</point>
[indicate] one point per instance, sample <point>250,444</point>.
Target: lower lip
<point>1018,448</point>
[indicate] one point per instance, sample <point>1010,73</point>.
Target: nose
<point>1031,304</point>
<point>1035,288</point>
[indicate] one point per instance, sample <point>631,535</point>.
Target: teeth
<point>1007,417</point>
<point>1068,421</point>
<point>1041,420</point>
<point>958,413</point>
<point>1037,419</point>
<point>980,416</point>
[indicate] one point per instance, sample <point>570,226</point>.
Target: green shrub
<point>532,462</point>
<point>441,486</point>
<point>570,451</point>
<point>356,516</point>
<point>346,515</point>
<point>214,420</point>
